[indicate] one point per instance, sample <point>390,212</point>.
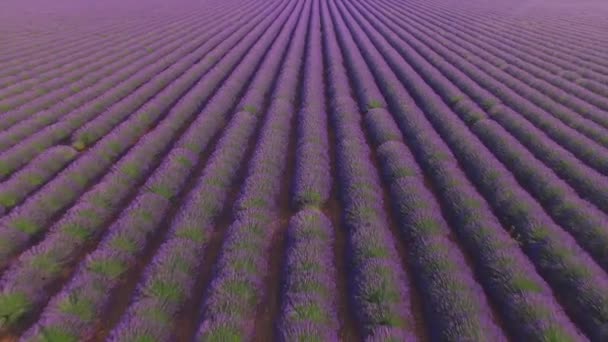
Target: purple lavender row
<point>312,179</point>
<point>561,64</point>
<point>308,305</point>
<point>267,164</point>
<point>440,269</point>
<point>85,221</point>
<point>567,166</point>
<point>580,218</point>
<point>57,57</point>
<point>211,52</point>
<point>498,63</point>
<point>168,279</point>
<point>39,30</point>
<point>31,218</point>
<point>555,253</point>
<point>75,89</point>
<point>589,121</point>
<point>34,100</point>
<point>70,96</point>
<point>587,182</point>
<point>581,30</point>
<point>589,128</point>
<point>236,289</point>
<point>589,105</point>
<point>595,66</point>
<point>535,71</point>
<point>309,309</point>
<point>589,57</point>
<point>19,93</point>
<point>593,81</point>
<point>39,171</point>
<point>166,183</point>
<point>57,48</point>
<point>34,54</point>
<point>524,299</point>
<point>119,84</point>
<point>44,263</point>
<point>256,99</point>
<point>48,72</point>
<point>378,284</point>
<point>75,312</point>
<point>68,69</point>
<point>25,45</point>
<point>148,95</point>
<point>438,264</point>
<point>118,252</point>
<point>37,101</point>
<point>414,128</point>
<point>73,68</point>
<point>557,256</point>
<point>580,19</point>
<point>540,63</point>
<point>584,31</point>
<point>561,201</point>
<point>312,182</point>
<point>82,224</point>
<point>108,194</point>
<point>235,292</point>
<point>22,70</point>
<point>588,37</point>
<point>584,221</point>
<point>592,85</point>
<point>115,255</point>
<point>581,146</point>
<point>191,227</point>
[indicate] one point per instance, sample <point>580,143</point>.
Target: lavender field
<point>303,170</point>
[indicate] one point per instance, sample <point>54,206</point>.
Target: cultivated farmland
<point>303,170</point>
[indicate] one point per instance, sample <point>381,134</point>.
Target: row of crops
<point>305,170</point>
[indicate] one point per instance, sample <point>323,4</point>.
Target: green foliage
<point>13,306</point>
<point>192,233</point>
<point>34,179</point>
<point>53,334</point>
<point>310,312</point>
<point>130,170</point>
<point>245,265</point>
<point>524,284</point>
<point>184,161</point>
<point>109,267</point>
<point>375,104</point>
<point>165,290</point>
<point>144,338</point>
<point>122,243</point>
<point>372,250</point>
<point>25,226</point>
<point>5,168</point>
<point>224,334</point>
<point>162,190</point>
<point>311,197</point>
<point>79,145</point>
<point>310,286</point>
<point>46,264</point>
<point>250,108</point>
<point>7,199</point>
<point>81,307</point>
<point>240,289</point>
